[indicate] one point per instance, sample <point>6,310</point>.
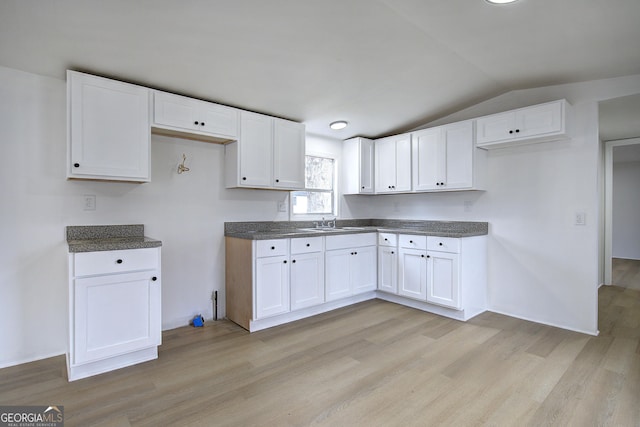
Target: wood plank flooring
<point>371,364</point>
<point>625,273</point>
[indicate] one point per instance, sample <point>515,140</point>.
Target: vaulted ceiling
<point>383,65</point>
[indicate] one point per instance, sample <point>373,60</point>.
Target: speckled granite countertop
<point>287,229</point>
<point>95,238</point>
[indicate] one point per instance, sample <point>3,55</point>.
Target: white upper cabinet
<point>288,154</point>
<point>393,164</point>
<point>255,150</point>
<point>445,158</point>
<point>179,114</point>
<point>358,165</point>
<point>269,154</point>
<point>538,123</point>
<point>108,129</point>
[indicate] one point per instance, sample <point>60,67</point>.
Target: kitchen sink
<point>330,229</point>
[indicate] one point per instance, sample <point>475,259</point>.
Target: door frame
<point>608,202</point>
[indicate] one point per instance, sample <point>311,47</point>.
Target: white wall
<point>185,211</point>
<point>626,210</point>
<point>542,267</point>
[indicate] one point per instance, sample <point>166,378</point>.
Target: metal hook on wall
<point>181,166</point>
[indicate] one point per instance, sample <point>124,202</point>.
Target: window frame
<point>334,192</point>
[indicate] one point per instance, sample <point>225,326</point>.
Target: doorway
<point>622,212</point>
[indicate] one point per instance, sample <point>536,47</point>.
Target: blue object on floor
<point>198,321</point>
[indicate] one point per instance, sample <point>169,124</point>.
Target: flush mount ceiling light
<point>501,1</point>
<point>340,124</point>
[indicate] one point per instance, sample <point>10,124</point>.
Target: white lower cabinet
<point>443,281</point>
<point>388,262</point>
<point>115,310</point>
<point>272,286</point>
<point>350,263</point>
<point>444,271</point>
<point>307,278</point>
<point>413,273</point>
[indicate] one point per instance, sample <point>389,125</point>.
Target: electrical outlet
<point>282,206</point>
<point>89,202</point>
<point>580,218</point>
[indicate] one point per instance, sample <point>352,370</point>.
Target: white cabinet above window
<point>182,116</point>
<point>268,154</point>
<point>538,123</point>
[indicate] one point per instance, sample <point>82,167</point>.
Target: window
<point>318,198</point>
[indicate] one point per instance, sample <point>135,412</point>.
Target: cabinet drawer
<point>305,245</point>
<point>387,239</point>
<point>443,244</point>
<point>107,262</point>
<point>273,247</point>
<point>346,241</point>
<point>413,241</point>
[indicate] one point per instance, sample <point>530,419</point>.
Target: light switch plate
<point>580,218</point>
<point>282,206</point>
<point>89,202</point>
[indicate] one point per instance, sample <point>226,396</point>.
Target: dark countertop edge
<point>114,244</point>
<point>265,235</point>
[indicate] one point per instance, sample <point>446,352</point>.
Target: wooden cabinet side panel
<point>239,281</point>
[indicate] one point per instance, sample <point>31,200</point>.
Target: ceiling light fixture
<point>340,124</point>
<point>501,1</point>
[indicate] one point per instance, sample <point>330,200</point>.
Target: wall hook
<point>181,166</point>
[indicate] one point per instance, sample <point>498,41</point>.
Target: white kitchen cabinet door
<point>337,277</point>
<point>393,164</point>
<point>443,283</point>
<point>458,156</point>
<point>539,119</point>
<point>495,128</point>
<point>109,130</point>
<point>219,120</point>
<point>272,286</point>
<point>115,314</point>
<point>538,123</point>
<point>255,148</point>
<point>385,170</point>
<point>412,280</point>
<point>358,166</point>
<point>388,269</point>
<point>443,157</point>
<point>289,155</point>
<point>180,113</point>
<point>427,147</point>
<point>307,280</point>
<point>363,271</point>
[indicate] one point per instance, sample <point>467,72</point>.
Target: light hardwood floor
<point>371,364</point>
<point>626,273</point>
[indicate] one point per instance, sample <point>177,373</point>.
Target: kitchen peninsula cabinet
<point>538,123</point>
<point>279,272</point>
<point>187,116</point>
<point>108,129</point>
<point>269,154</point>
